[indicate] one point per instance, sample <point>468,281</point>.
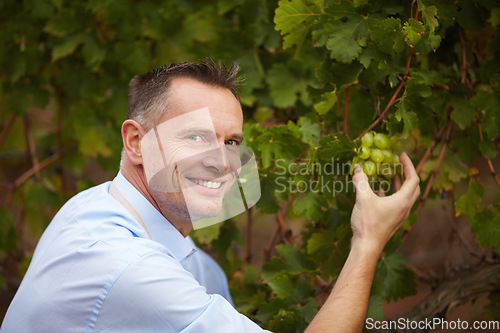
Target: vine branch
<point>401,84</point>
<point>434,172</point>
<point>269,247</point>
<point>30,143</point>
<point>490,164</point>
<point>248,255</point>
<point>26,175</point>
<point>435,141</point>
<point>464,287</point>
<point>7,129</point>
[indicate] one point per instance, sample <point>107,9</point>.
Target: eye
<point>196,138</point>
<point>232,143</point>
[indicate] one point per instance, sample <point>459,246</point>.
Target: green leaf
<point>294,18</point>
<point>488,149</point>
<point>392,279</point>
<point>465,147</point>
<point>200,26</point>
<point>486,226</point>
<point>345,75</point>
<point>469,204</point>
<point>67,47</point>
<point>451,172</point>
<point>343,48</point>
<point>413,31</point>
<point>336,148</point>
<point>208,234</point>
<point>463,112</point>
<point>294,262</point>
<point>92,52</point>
<point>283,288</point>
<point>267,203</point>
<point>19,102</point>
<point>311,205</point>
<point>487,105</point>
<point>64,23</point>
<point>309,130</point>
<point>429,14</point>
<point>284,85</point>
<point>327,103</point>
<point>326,247</point>
<point>404,112</point>
<point>279,144</point>
<point>387,34</point>
<point>268,310</point>
<point>376,308</point>
<point>297,261</point>
<point>8,233</point>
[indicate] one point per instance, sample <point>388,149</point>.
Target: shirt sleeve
<point>156,294</point>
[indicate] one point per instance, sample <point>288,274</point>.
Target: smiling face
<point>191,159</point>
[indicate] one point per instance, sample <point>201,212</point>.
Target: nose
<point>217,160</point>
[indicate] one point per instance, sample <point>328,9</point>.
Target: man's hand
<point>375,218</point>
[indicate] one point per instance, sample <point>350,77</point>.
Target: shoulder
<point>156,294</point>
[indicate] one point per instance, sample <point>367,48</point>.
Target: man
<point>117,257</point>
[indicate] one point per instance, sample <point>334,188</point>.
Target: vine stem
<point>7,129</point>
<point>346,106</point>
<point>26,175</point>
<point>434,172</point>
<point>490,165</point>
<point>30,142</point>
<point>269,247</point>
<point>286,232</point>
<point>401,84</point>
<point>248,256</point>
<point>464,55</point>
<point>382,115</point>
<point>435,141</point>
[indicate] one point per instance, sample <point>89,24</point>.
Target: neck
<point>135,175</point>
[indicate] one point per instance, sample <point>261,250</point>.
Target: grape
<point>364,153</point>
<point>377,155</point>
<point>388,156</point>
<point>367,140</point>
<point>379,159</point>
<point>369,167</point>
<point>395,143</point>
<point>387,170</point>
<point>381,140</point>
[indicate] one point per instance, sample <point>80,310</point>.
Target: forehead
<point>187,95</point>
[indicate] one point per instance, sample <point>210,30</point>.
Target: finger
<point>411,176</point>
<point>381,192</point>
<point>360,181</point>
<point>396,183</point>
<point>416,194</point>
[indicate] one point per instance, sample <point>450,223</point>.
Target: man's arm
<point>374,220</point>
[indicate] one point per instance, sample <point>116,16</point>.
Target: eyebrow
<point>238,137</point>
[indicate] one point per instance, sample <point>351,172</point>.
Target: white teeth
<point>207,184</point>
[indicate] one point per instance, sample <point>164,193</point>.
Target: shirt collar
<point>160,229</point>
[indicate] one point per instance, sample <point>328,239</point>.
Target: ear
<point>132,133</point>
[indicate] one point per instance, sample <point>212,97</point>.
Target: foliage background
<point>317,75</point>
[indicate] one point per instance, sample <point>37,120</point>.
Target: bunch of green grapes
<point>378,155</point>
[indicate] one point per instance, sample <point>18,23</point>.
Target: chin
<point>203,209</point>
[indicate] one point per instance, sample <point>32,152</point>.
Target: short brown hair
<point>149,93</point>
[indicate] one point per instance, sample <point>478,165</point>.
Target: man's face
<point>191,159</point>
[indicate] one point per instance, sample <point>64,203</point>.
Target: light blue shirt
<point>95,269</point>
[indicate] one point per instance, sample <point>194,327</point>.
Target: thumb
<point>360,181</point>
